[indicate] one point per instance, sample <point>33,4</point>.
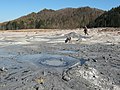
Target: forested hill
<point>55,19</point>
<point>108,19</point>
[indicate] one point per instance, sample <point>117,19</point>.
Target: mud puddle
<point>58,62</point>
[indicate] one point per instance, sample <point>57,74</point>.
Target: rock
<point>45,73</point>
<point>66,78</point>
<point>103,57</point>
<point>94,60</point>
<point>3,69</point>
<point>37,88</point>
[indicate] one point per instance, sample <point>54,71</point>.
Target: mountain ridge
<point>54,19</point>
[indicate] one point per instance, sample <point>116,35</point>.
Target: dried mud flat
<point>40,60</point>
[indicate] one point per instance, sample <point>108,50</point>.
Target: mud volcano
<point>53,62</point>
<point>57,61</point>
<point>49,60</point>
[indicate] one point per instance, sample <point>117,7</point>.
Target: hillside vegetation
<point>108,19</point>
<point>54,19</point>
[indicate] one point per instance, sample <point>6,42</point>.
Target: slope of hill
<point>47,18</point>
<point>108,19</point>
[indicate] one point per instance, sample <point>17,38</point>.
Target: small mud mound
<point>49,60</point>
<point>72,34</point>
<point>90,76</point>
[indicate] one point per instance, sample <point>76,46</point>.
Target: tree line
<point>67,18</point>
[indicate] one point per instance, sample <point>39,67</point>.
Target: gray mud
<point>42,61</point>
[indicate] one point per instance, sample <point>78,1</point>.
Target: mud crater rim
<point>50,60</point>
<point>54,62</point>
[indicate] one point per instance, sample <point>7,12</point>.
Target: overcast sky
<point>12,9</point>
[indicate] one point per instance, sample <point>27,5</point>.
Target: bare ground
<point>41,60</point>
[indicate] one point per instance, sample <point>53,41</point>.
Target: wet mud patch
<point>53,62</point>
<point>67,51</point>
<point>49,60</point>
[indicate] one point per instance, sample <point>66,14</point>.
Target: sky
<point>12,9</point>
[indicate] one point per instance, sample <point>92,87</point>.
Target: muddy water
<point>49,61</point>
